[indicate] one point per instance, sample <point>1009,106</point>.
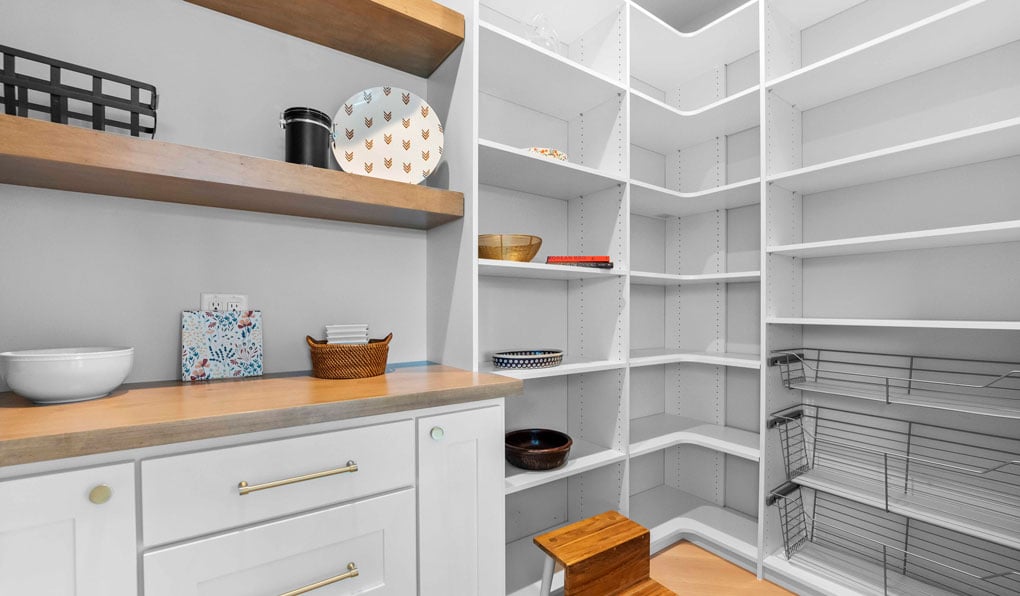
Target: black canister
<point>309,135</point>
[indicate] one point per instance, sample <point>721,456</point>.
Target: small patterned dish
<point>519,359</point>
<point>550,153</point>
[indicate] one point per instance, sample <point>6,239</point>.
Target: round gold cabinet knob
<point>100,494</point>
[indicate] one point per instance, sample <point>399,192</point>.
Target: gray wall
<point>87,270</point>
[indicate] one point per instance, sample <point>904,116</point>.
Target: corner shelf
<point>109,164</point>
<point>722,41</point>
<point>414,36</point>
<point>991,233</point>
<point>926,44</point>
<point>656,356</point>
<point>643,278</point>
<point>662,128</point>
<point>660,431</point>
<point>973,145</point>
<point>655,201</point>
<point>671,514</point>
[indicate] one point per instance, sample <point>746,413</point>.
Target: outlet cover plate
<point>223,302</point>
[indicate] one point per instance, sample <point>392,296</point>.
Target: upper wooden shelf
<point>415,36</point>
<point>110,164</point>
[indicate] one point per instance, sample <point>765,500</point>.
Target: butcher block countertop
<point>147,414</point>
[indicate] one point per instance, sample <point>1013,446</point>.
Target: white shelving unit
<point>889,224</point>
<point>768,174</point>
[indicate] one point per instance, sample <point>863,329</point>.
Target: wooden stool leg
<point>547,575</point>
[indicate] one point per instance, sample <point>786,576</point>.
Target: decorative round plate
<point>388,132</point>
<point>527,359</point>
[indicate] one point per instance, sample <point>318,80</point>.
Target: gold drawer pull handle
<point>243,488</point>
<point>352,571</point>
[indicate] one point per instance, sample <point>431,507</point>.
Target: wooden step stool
<point>602,555</point>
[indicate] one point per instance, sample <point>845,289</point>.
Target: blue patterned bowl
<point>520,359</point>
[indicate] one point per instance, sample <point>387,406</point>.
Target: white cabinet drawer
<point>377,535</point>
<point>198,493</point>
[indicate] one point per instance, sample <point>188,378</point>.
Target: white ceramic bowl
<point>61,375</point>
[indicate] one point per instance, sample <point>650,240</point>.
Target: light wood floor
<point>692,571</point>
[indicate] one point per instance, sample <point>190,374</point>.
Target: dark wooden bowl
<point>537,448</point>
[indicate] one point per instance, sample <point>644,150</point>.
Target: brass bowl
<point>508,247</point>
<point>537,448</point>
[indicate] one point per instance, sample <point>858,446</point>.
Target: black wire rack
<point>881,552</point>
<point>34,85</point>
<point>967,481</point>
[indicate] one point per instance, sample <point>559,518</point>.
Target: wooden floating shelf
<point>118,165</point>
<point>414,36</point>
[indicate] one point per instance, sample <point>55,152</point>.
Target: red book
<point>578,259</point>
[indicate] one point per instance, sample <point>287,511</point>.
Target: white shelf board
<point>901,323</point>
<point>569,367</point>
<point>999,407</point>
<point>518,169</point>
<point>496,268</point>
<point>990,519</point>
<point>839,573</point>
<point>583,456</point>
<point>656,356</point>
<point>660,431</point>
<point>804,14</point>
<point>663,129</point>
<point>655,201</point>
<point>964,30</point>
<point>671,514</point>
<point>519,71</point>
<point>645,278</point>
<point>973,145</point>
<point>664,57</point>
<point>990,233</point>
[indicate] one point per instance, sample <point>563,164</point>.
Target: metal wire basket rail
<point>967,482</point>
<point>880,552</point>
<point>957,384</point>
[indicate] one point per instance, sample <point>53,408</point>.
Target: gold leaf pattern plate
<point>388,132</point>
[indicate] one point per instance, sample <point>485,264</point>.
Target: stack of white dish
<point>347,334</point>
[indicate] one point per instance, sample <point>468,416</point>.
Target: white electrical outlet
<point>224,302</point>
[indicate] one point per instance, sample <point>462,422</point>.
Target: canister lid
<point>294,114</point>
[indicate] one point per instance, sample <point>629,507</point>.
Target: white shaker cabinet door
<point>460,503</point>
<point>365,547</point>
<point>69,534</point>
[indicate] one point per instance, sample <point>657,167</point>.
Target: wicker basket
<point>349,361</point>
